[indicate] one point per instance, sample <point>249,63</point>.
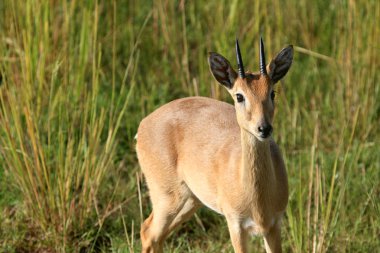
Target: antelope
<point>199,151</point>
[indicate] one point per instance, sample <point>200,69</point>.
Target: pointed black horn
<point>263,67</point>
<point>239,61</point>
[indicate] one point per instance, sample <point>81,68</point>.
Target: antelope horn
<point>263,68</point>
<point>239,61</point>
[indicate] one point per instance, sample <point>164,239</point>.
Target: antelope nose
<point>265,130</point>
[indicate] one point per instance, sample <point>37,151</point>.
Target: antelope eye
<point>272,95</point>
<point>239,97</point>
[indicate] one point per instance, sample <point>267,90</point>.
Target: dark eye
<point>239,98</point>
<point>272,95</point>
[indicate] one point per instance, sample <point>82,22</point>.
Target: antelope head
<point>253,93</point>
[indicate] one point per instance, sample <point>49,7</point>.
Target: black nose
<point>265,130</point>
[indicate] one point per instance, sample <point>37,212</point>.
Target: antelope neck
<point>256,161</point>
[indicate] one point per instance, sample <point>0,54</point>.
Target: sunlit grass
<point>78,76</point>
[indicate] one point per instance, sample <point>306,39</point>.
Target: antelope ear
<point>221,69</point>
<point>280,65</point>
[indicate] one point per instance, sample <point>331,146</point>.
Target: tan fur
<point>197,150</point>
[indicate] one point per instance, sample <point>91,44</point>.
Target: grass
<point>78,76</point>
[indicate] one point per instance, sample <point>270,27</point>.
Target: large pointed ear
<point>280,65</point>
<point>221,69</point>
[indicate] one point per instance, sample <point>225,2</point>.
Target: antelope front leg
<point>238,236</point>
<point>273,239</point>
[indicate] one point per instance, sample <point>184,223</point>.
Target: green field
<point>78,76</point>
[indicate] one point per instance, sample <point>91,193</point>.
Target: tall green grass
<point>78,76</point>
<point>59,127</point>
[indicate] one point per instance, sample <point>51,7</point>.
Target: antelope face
<point>254,104</point>
<point>253,93</point>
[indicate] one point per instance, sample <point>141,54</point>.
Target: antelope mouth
<point>262,137</point>
<point>259,136</point>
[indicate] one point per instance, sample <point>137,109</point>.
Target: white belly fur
<point>252,228</point>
